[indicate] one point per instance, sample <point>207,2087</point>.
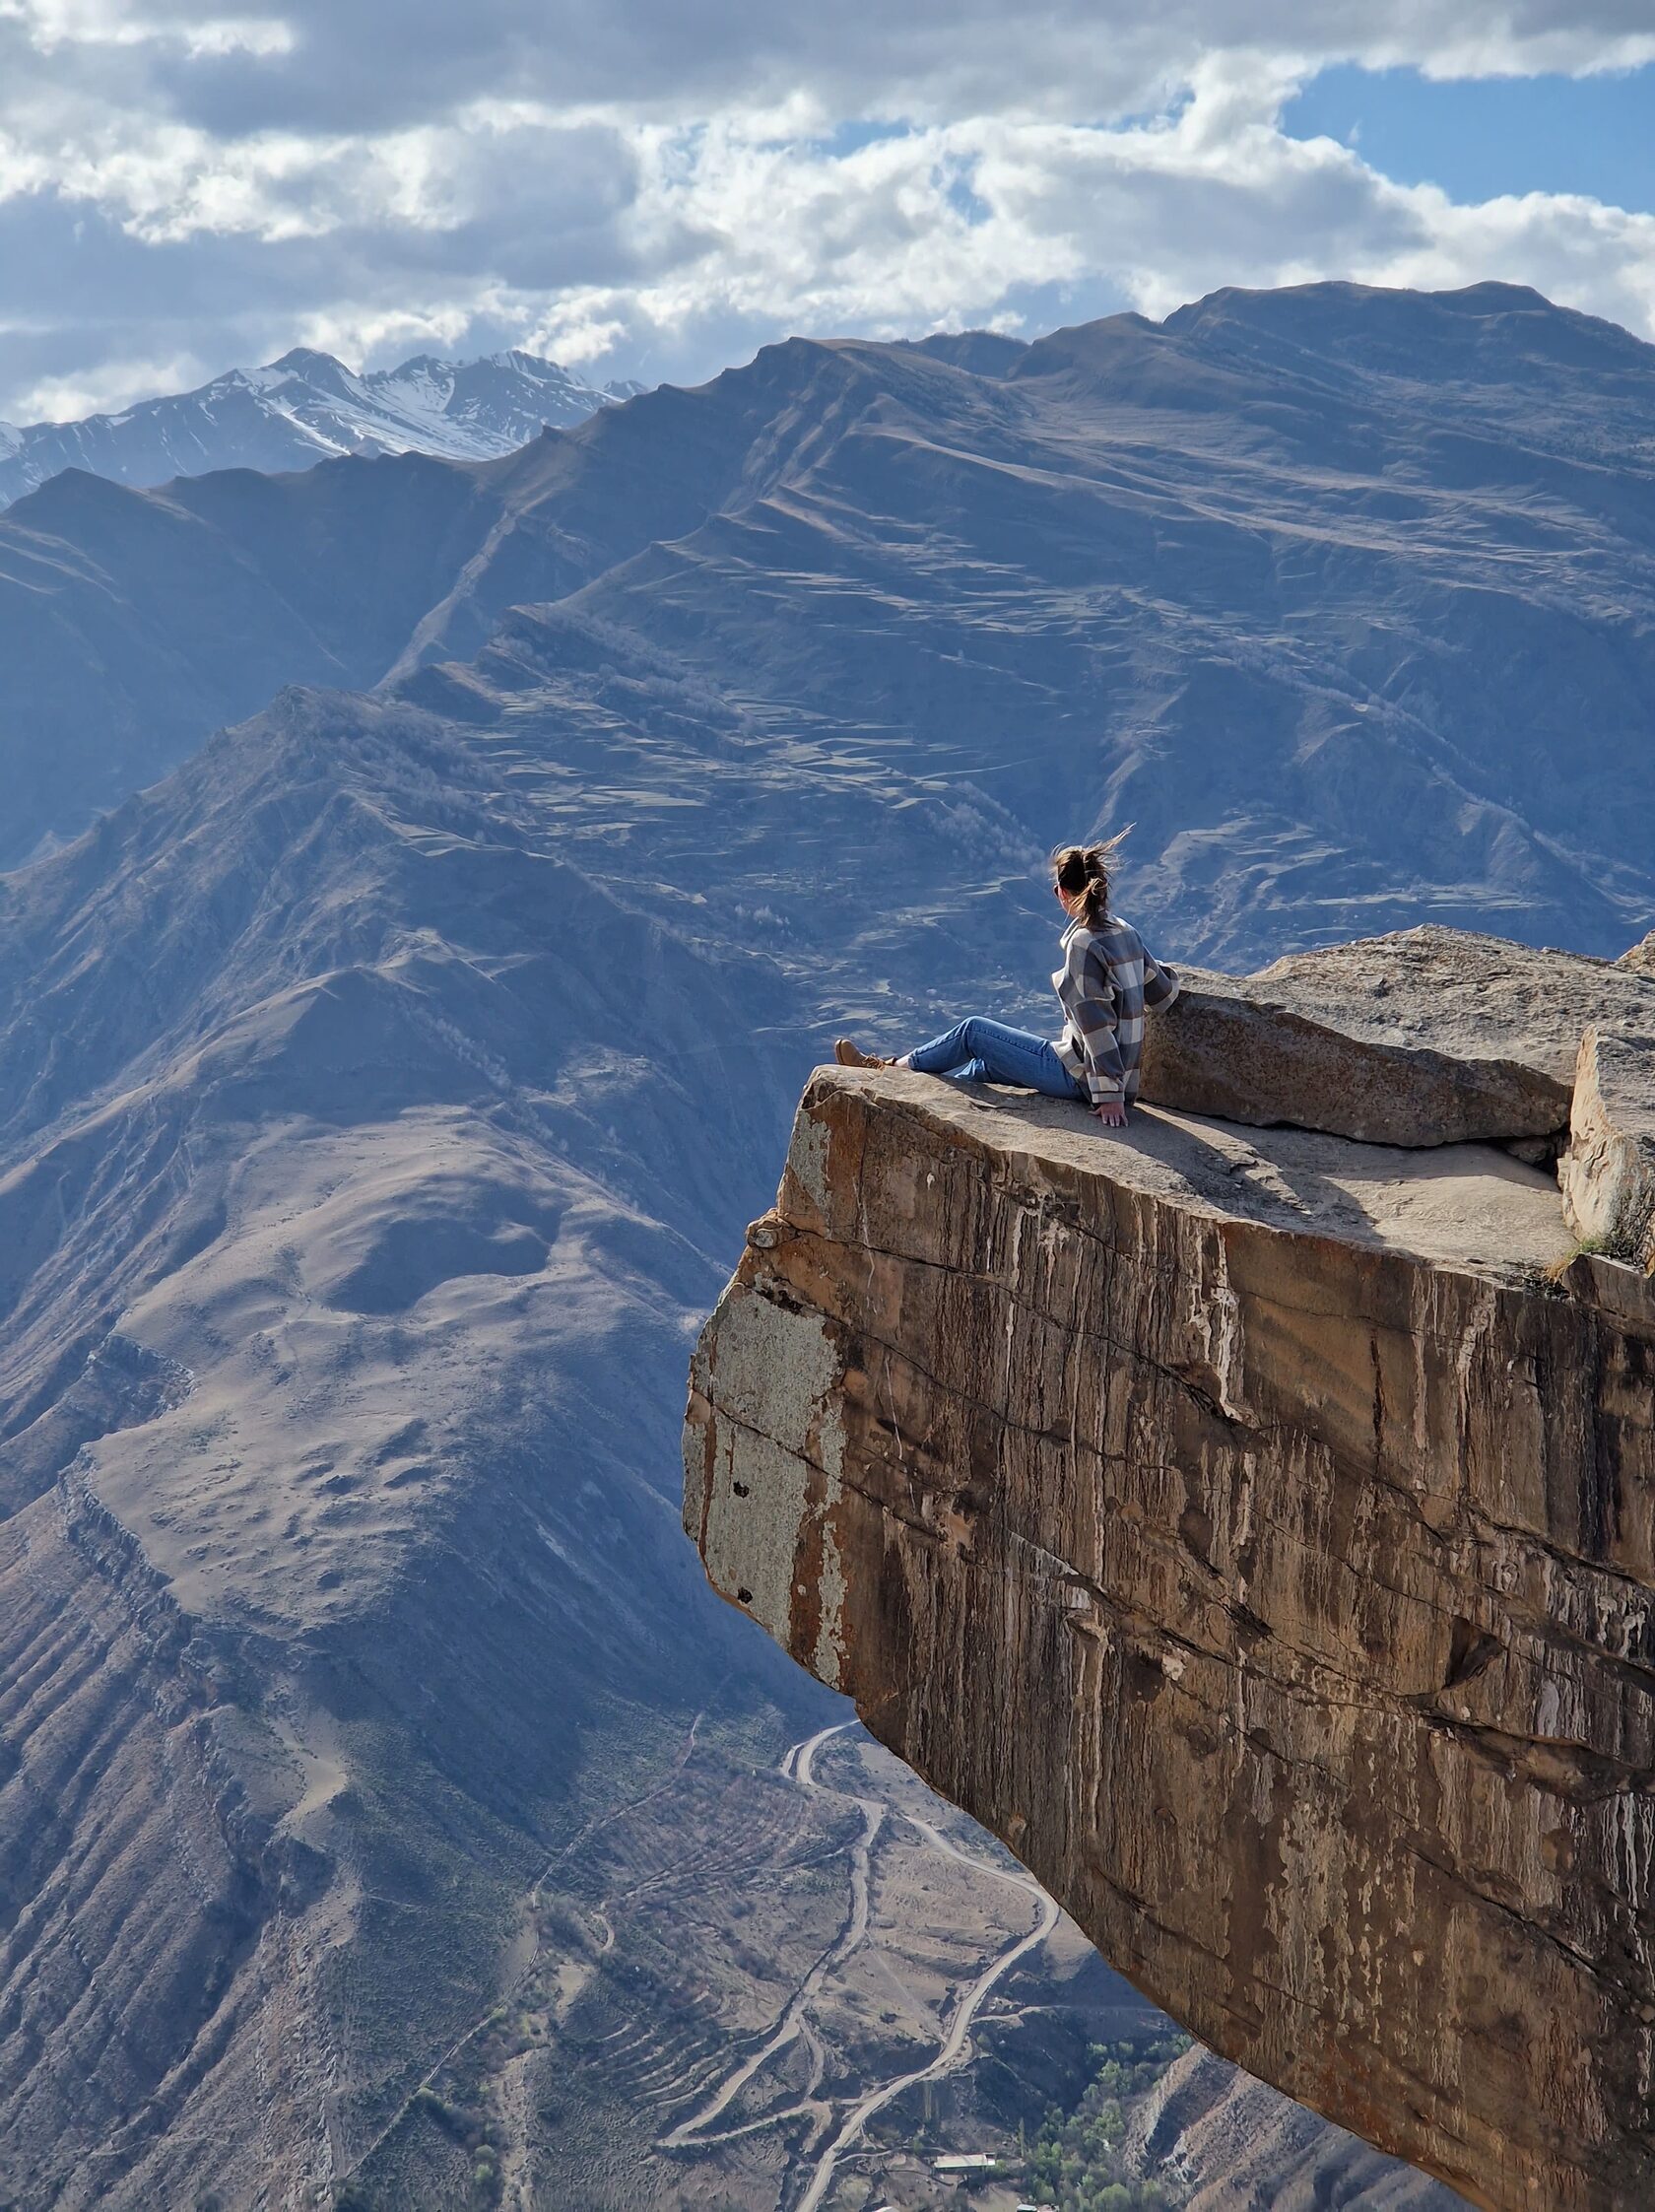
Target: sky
<point>654,189</point>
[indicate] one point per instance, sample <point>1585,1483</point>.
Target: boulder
<point>1608,1171</point>
<point>1641,957</point>
<point>1427,1037</point>
<point>1233,1048</point>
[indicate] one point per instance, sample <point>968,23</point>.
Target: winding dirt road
<point>700,2128</point>
<point>794,2021</point>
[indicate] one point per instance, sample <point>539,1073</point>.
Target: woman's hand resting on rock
<point>1111,1116</point>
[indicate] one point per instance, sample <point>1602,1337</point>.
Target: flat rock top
<point>1453,991</point>
<point>1469,1206</point>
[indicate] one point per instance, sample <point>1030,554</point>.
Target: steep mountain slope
<point>361,1180</point>
<point>135,623</point>
<point>1345,596</point>
<point>1228,2144</point>
<point>304,408</point>
<point>1329,650</point>
<point>380,1097</point>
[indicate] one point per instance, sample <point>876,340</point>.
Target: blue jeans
<point>979,1051</point>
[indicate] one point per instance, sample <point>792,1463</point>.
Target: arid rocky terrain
<point>383,1094</point>
<point>389,1079</point>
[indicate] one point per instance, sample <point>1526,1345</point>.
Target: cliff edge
<point>1255,1529</point>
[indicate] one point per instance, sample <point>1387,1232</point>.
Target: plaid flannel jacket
<point>1105,986</point>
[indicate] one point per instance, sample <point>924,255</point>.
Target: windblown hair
<point>1090,868</point>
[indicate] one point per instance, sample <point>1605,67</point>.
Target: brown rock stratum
<point>1256,1529</point>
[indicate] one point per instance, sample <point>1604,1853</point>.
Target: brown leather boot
<point>851,1055</point>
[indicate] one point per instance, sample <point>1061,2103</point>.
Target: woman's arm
<point>1161,984</point>
<point>1088,1000</point>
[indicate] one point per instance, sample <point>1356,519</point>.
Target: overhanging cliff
<point>1254,1528</point>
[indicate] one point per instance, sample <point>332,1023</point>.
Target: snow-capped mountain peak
<point>306,406</point>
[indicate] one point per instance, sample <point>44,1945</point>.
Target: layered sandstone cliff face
<point>1256,1529</point>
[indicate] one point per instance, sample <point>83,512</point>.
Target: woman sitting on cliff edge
<point>1106,985</point>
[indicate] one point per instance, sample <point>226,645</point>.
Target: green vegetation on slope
<point>1076,2164</point>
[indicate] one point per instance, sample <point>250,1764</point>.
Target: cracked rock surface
<point>1256,1531</point>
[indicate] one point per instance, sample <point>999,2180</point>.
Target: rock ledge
<point>1256,1531</point>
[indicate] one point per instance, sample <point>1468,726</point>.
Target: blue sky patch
<point>1484,136</point>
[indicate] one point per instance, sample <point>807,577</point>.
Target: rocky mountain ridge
<point>1345,597</point>
<point>304,408</point>
<point>1254,1526</point>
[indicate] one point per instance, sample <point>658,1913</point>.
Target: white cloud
<point>658,193</point>
<point>1472,51</point>
<point>942,226</point>
<point>233,35</point>
<point>69,399</point>
<point>51,24</point>
<point>362,334</point>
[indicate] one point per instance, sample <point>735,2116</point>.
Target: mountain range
<point>1346,598</point>
<point>384,1089</point>
<point>304,408</point>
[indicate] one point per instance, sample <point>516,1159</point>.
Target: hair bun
<point>1089,868</point>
